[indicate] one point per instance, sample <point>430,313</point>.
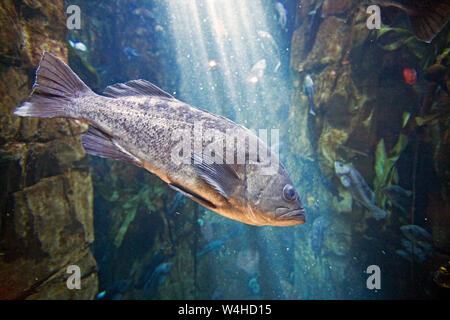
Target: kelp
<point>391,39</point>
<point>385,171</point>
<point>146,197</point>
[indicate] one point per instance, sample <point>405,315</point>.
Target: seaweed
<point>392,39</point>
<point>385,171</point>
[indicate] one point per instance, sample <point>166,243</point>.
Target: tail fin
<point>55,86</point>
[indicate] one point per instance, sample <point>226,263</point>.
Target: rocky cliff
<point>46,202</point>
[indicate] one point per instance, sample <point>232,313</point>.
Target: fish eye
<point>289,193</point>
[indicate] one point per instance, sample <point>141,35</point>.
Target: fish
<point>150,267</point>
<point>416,233</point>
<point>210,247</point>
<point>257,71</point>
<point>309,91</point>
<point>177,204</point>
<point>130,52</point>
<point>418,253</point>
<point>427,17</point>
<point>135,122</point>
<point>404,254</point>
<point>319,227</point>
<point>359,189</point>
<point>254,286</point>
<point>315,15</point>
<point>270,48</point>
<point>345,181</point>
<point>78,45</point>
<point>157,278</point>
<point>115,291</point>
<point>410,76</point>
<point>282,14</point>
<point>143,13</point>
<point>399,197</point>
<point>442,275</point>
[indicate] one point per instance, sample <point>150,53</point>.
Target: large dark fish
<point>427,17</point>
<point>139,123</point>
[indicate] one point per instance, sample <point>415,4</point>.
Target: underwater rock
<point>330,38</point>
<point>47,194</point>
<point>334,7</point>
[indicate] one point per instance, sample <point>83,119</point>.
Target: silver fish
<point>270,48</point>
<point>359,189</point>
<point>136,122</point>
<point>282,14</point>
<point>309,91</point>
<point>258,69</point>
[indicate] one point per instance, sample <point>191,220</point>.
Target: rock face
<point>362,100</point>
<point>46,204</point>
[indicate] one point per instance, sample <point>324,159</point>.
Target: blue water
<point>231,58</point>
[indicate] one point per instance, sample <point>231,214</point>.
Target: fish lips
<point>296,215</point>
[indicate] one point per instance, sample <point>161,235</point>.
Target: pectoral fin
<point>222,177</point>
<point>192,195</point>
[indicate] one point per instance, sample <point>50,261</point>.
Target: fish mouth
<point>298,214</point>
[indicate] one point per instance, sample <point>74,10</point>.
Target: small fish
<point>157,278</point>
<point>359,188</point>
<point>210,247</point>
<point>415,250</point>
<point>258,70</point>
<point>254,286</point>
<point>177,204</point>
<point>442,276</point>
<point>309,91</point>
<point>415,233</point>
<point>410,76</point>
<point>78,45</point>
<point>315,15</point>
<point>141,31</point>
<point>270,48</point>
<point>345,181</point>
<point>399,197</point>
<point>404,254</point>
<point>282,14</point>
<point>143,13</point>
<point>135,122</point>
<point>317,235</point>
<point>130,52</point>
<point>115,291</point>
<point>427,17</point>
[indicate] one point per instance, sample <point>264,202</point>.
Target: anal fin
<point>97,143</point>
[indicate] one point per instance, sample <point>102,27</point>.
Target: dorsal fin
<point>135,88</point>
